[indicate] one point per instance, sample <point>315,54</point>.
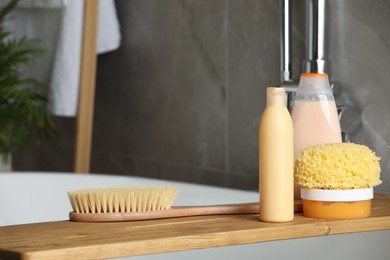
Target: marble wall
<point>182,98</point>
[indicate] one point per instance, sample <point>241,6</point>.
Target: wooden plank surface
<point>76,240</point>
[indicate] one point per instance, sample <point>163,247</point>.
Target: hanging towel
<point>109,36</point>
<point>58,24</point>
<point>38,3</point>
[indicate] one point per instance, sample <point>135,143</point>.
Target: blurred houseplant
<point>23,115</point>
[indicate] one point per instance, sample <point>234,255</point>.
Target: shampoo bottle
<point>276,159</point>
<point>314,114</point>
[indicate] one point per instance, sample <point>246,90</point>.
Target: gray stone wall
<point>182,98</point>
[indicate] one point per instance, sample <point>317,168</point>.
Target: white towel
<point>58,25</point>
<point>43,3</point>
<point>109,36</point>
<point>38,3</point>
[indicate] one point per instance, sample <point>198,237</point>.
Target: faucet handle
<point>337,88</point>
<point>349,114</point>
<point>350,121</point>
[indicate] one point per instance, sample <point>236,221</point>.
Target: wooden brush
<point>142,203</point>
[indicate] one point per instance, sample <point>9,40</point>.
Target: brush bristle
<point>122,199</point>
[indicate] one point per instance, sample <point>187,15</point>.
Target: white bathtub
<point>40,197</point>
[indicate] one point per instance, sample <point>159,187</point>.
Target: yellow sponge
<point>338,166</point>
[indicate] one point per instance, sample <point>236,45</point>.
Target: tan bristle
<point>122,199</point>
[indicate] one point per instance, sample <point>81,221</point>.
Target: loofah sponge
<point>338,166</point>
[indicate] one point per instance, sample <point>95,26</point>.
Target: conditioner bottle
<point>276,159</point>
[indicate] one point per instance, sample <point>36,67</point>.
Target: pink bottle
<point>314,114</point>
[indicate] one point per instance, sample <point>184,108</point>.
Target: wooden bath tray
<point>77,240</point>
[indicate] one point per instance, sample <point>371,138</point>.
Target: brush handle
<point>174,212</point>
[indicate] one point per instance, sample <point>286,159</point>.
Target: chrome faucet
<point>315,38</point>
<point>315,61</point>
<point>286,42</point>
<point>287,80</point>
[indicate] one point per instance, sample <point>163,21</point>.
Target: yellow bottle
<point>276,159</point>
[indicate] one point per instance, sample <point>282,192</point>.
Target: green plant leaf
<point>23,101</point>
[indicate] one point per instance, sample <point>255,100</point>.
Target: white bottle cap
<point>276,96</point>
<point>337,195</point>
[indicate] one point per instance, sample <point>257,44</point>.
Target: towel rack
<point>84,120</point>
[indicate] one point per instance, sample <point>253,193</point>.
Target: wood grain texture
<point>78,240</point>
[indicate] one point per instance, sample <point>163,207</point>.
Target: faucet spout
<point>315,61</point>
